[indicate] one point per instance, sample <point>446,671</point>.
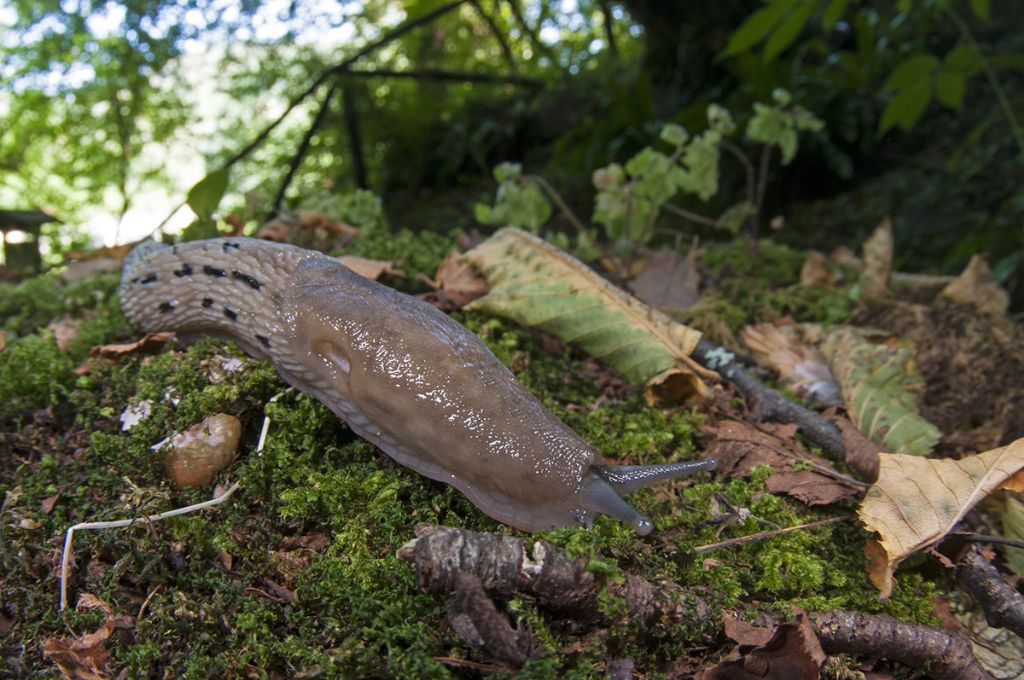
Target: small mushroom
<point>196,455</point>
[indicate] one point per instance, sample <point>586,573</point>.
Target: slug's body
<point>403,375</point>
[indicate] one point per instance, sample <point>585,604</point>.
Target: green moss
<point>419,253</point>
<point>33,373</point>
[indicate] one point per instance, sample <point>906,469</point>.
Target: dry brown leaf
<point>150,343</point>
<point>456,283</point>
<point>196,455</point>
<point>538,285</point>
<point>46,505</point>
<point>88,601</point>
<point>3,341</point>
<point>85,658</point>
<point>793,652</point>
<point>878,251</point>
<point>370,269</point>
<point>860,452</point>
<point>743,633</point>
<point>976,287</point>
<point>814,271</point>
<point>738,446</point>
<point>798,364</point>
<point>307,228</point>
<point>106,253</point>
<point>669,281</point>
<point>916,500</point>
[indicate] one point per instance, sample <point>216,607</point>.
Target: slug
<point>403,375</point>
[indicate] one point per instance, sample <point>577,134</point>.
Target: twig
<point>149,598</point>
<point>692,216</point>
<point>117,524</point>
<point>945,654</point>
<point>986,538</point>
<point>354,133</point>
<point>499,36</point>
<point>560,202</point>
<point>765,402</point>
<point>609,24</point>
<point>300,152</point>
<point>740,540</point>
<point>445,75</point>
<point>538,44</point>
<point>762,185</point>
<point>1002,604</point>
<point>475,665</point>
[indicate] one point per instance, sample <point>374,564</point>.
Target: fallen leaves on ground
<point>792,651</point>
<point>878,252</point>
<point>370,269</point>
<point>85,657</point>
<point>308,229</point>
<point>150,343</point>
<point>456,283</point>
<point>669,281</point>
<point>538,285</point>
<point>738,446</point>
<point>916,501</point>
<point>976,287</point>
<point>881,387</point>
<point>800,366</point>
<point>196,455</point>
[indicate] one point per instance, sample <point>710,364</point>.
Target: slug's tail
<point>605,485</point>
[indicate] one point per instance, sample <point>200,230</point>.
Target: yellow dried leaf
<point>878,251</point>
<point>370,269</point>
<point>798,364</point>
<point>917,500</point>
<point>977,287</point>
<point>538,285</point>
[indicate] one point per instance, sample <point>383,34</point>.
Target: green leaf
<point>907,107</point>
<point>950,87</point>
<point>833,13</point>
<point>881,388</point>
<point>981,9</point>
<point>207,193</point>
<point>911,71</point>
<point>675,135</point>
<point>963,57</point>
<point>537,285</point>
<point>788,30</point>
<point>756,27</point>
<point>1013,527</point>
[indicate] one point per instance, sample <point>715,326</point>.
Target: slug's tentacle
<point>598,496</point>
<point>625,479</point>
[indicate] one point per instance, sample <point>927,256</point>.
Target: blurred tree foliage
<point>419,100</point>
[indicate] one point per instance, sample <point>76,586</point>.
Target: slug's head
<point>603,487</point>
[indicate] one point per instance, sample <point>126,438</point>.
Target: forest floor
<point>307,570</point>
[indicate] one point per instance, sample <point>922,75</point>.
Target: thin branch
<point>692,216</point>
<point>1002,604</point>
<point>300,152</point>
<point>355,138</point>
<point>498,35</point>
<point>609,24</point>
<point>444,75</point>
<point>338,68</point>
<point>562,205</point>
<point>740,540</point>
<point>762,185</point>
<point>985,538</point>
<point>538,44</point>
<point>744,160</point>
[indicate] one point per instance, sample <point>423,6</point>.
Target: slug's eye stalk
<point>604,485</point>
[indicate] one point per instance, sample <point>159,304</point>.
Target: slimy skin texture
<point>403,375</point>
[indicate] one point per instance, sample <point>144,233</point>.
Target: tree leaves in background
<point>537,285</point>
<point>880,387</point>
<point>916,501</point>
<point>205,195</point>
<point>519,201</point>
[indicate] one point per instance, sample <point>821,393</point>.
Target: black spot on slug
<point>207,302</point>
<point>149,278</point>
<point>186,270</point>
<point>166,307</point>
<point>213,271</point>
<point>230,314</point>
<point>229,244</point>
<point>264,341</point>
<point>253,283</point>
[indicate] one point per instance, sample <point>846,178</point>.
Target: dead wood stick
<point>474,617</point>
<point>508,567</point>
<point>1002,604</point>
<point>739,540</point>
<point>766,403</point>
<point>944,653</point>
